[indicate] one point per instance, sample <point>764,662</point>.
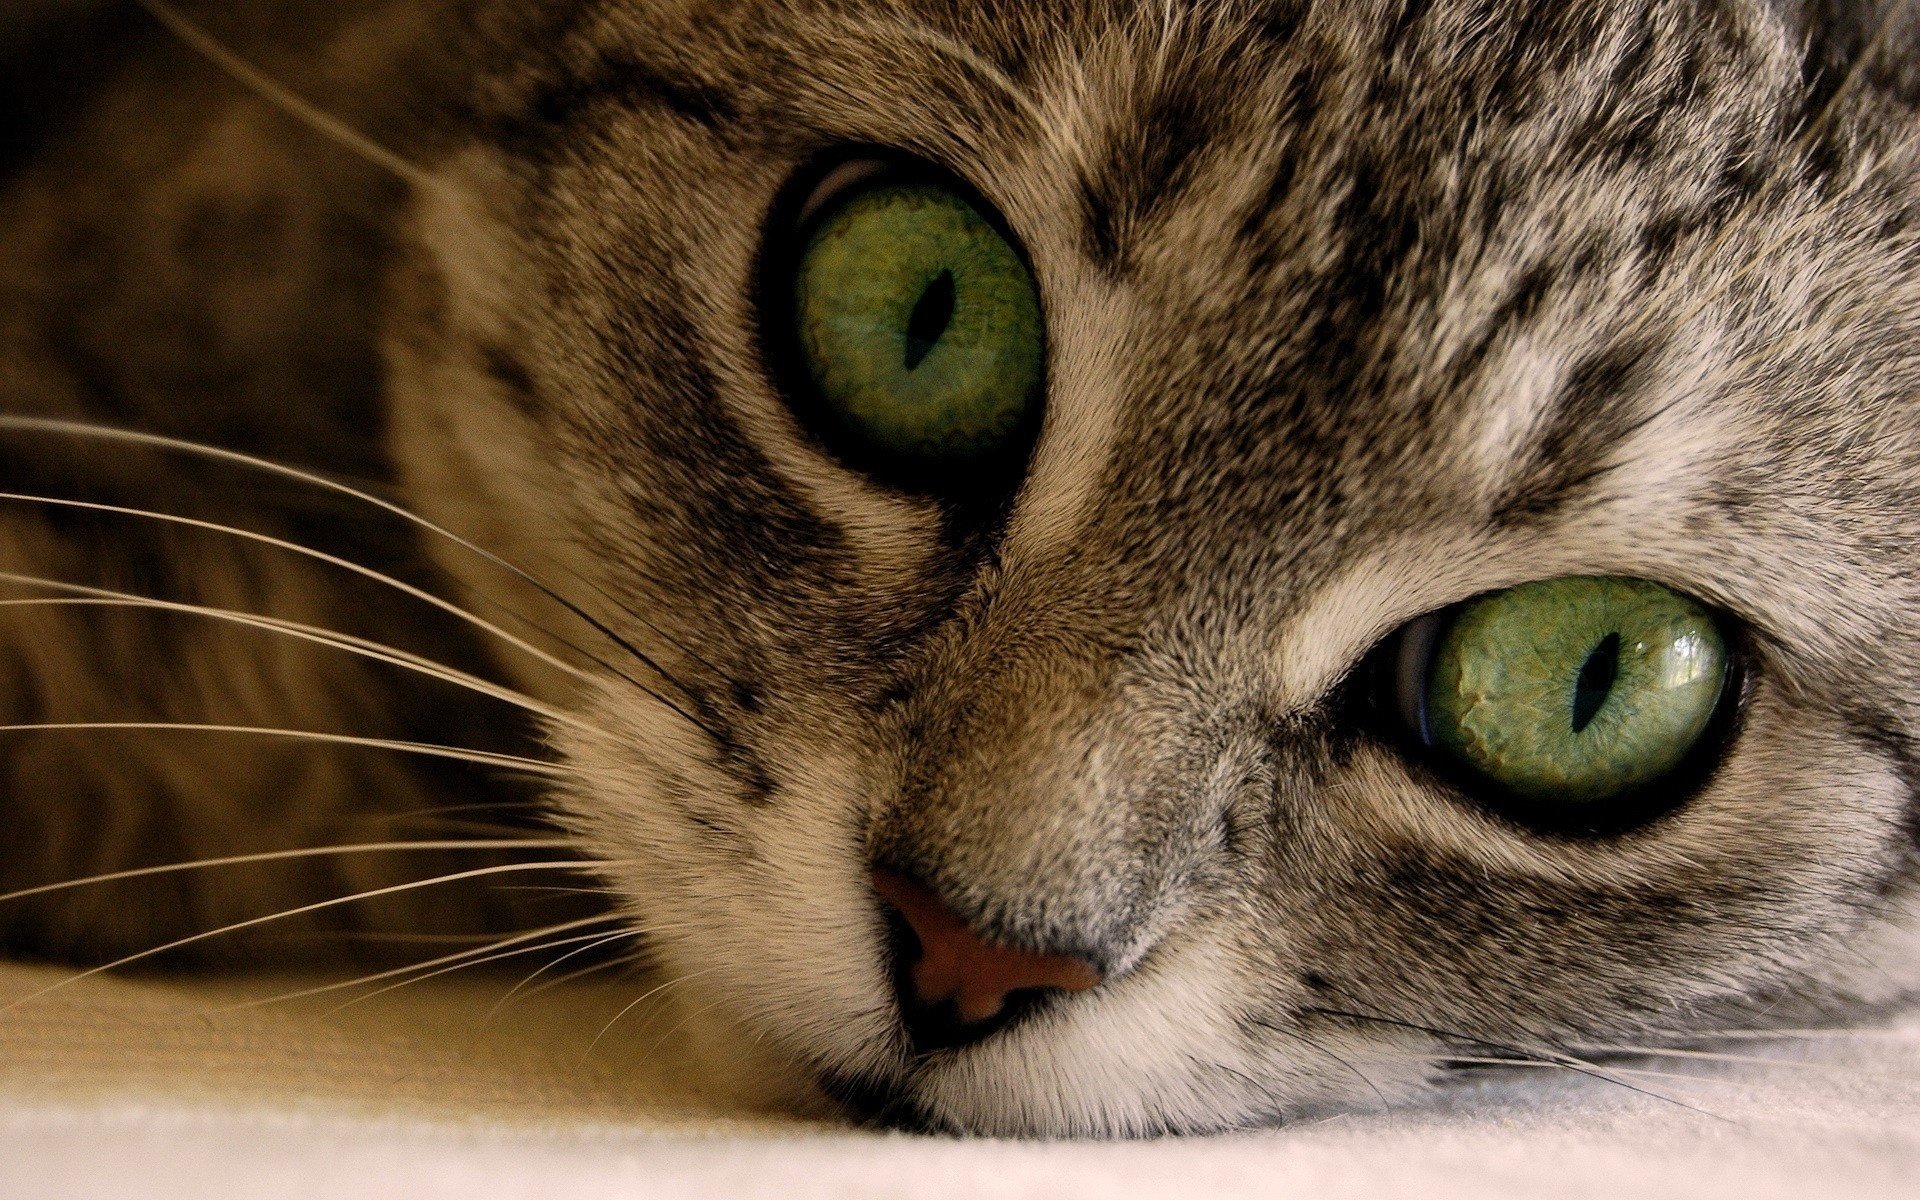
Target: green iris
<point>920,327</point>
<point>1577,689</point>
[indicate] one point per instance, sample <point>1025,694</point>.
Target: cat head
<point>1368,529</point>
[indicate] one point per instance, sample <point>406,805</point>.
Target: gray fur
<point>1356,309</point>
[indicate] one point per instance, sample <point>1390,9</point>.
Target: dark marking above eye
<point>1598,409</point>
<point>932,314</point>
<point>628,81</point>
<point>1595,684</point>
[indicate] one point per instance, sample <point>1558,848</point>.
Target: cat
<point>1071,567</point>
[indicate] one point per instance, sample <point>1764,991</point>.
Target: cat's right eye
<point>1562,702</point>
<point>908,329</point>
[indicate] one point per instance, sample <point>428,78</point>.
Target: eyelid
<point>836,183</point>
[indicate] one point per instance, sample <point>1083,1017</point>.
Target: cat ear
<point>1878,39</point>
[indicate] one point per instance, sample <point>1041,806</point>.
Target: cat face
<point>1340,315</point>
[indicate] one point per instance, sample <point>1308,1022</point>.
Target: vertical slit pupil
<point>932,313</point>
<point>1595,684</point>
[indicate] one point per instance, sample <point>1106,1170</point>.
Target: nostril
<point>955,986</point>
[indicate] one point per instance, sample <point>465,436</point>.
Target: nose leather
<point>957,965</point>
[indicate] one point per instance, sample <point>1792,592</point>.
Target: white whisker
<point>1552,1056</point>
<point>1783,1034</point>
<point>233,860</point>
<point>334,560</point>
<point>394,937</point>
<point>501,956</point>
<point>677,1026</point>
<point>477,955</point>
<point>539,971</point>
<point>516,762</point>
<point>637,1001</point>
<point>563,980</point>
<point>1752,1060</point>
<point>450,826</point>
<point>348,643</point>
<point>283,914</point>
<point>436,810</point>
<point>1635,1072</point>
<point>109,433</point>
<point>285,99</point>
<point>569,891</point>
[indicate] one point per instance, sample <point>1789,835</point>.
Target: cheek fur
<point>766,898</point>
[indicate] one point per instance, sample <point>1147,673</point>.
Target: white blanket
<point>138,1089</point>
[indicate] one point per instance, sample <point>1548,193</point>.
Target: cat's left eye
<point>909,329</point>
<point>1562,702</point>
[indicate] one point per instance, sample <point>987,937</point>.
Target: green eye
<point>918,328</point>
<point>1567,692</point>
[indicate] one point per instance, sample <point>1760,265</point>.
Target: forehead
<point>1318,276</point>
<point>1362,257</point>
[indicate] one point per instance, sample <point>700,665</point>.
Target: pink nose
<point>961,983</point>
